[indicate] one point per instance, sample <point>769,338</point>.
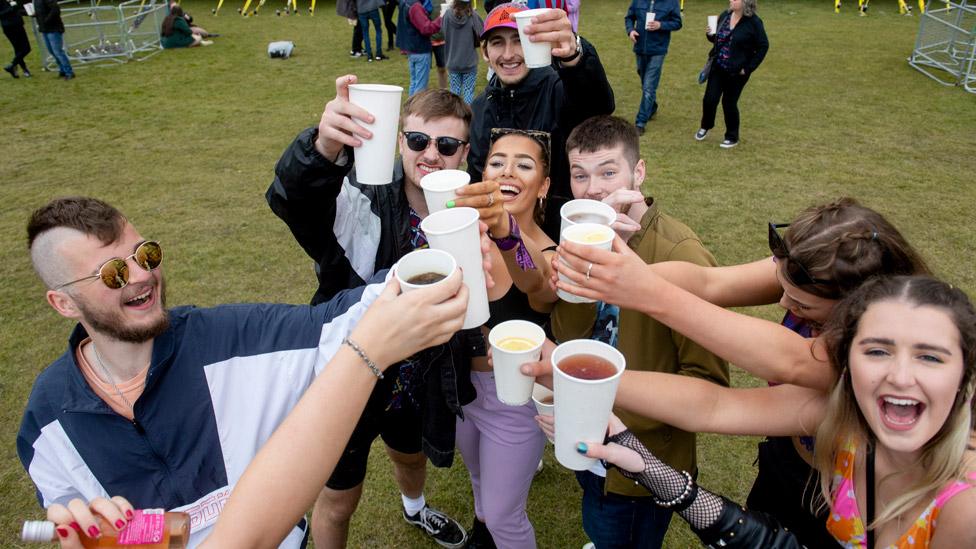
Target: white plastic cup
<point>535,54</point>
<point>582,407</point>
<point>511,385</point>
<point>540,394</point>
<point>29,9</point>
<point>455,231</point>
<point>445,8</point>
<point>712,24</point>
<point>375,157</point>
<point>440,186</point>
<point>593,211</point>
<point>420,262</point>
<point>582,233</point>
<point>648,19</point>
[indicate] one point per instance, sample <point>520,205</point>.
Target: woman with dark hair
<point>502,444</point>
<point>11,18</point>
<point>895,455</point>
<point>826,253</point>
<point>740,46</point>
<point>176,32</point>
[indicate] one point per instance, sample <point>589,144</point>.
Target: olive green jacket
<point>649,345</point>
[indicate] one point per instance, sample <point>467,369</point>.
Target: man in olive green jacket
<point>605,165</point>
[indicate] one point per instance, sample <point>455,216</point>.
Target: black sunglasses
<point>797,273</point>
<point>419,141</point>
<point>114,273</point>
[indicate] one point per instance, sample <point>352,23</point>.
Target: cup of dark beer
<point>423,268</point>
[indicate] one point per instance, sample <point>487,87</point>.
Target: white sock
<point>413,505</point>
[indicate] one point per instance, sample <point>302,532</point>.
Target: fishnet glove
<point>667,484</point>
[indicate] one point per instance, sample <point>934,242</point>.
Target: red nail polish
<point>129,514</point>
<point>63,532</point>
<point>93,531</point>
<point>119,524</point>
<point>76,526</point>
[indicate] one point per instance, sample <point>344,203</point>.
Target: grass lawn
<point>185,143</point>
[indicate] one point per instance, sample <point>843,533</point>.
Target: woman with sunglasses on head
<point>502,444</point>
<point>824,254</point>
<point>895,449</point>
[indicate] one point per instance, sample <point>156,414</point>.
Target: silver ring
<point>491,199</point>
<point>588,267</point>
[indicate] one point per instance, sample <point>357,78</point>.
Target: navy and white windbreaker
<point>220,382</point>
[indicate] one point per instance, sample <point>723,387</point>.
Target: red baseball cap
<point>501,16</point>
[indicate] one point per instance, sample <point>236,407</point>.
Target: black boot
<point>479,537</point>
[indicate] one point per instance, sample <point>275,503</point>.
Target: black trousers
<point>727,87</point>
<point>357,38</point>
<point>18,39</point>
<point>388,22</point>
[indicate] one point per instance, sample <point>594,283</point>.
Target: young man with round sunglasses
<point>350,231</point>
<point>166,407</point>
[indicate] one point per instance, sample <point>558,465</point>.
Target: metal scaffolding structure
<point>945,49</point>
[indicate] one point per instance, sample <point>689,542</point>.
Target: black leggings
<point>727,87</point>
<point>18,39</point>
<point>388,8</point>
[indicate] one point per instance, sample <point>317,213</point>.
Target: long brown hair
<point>845,243</point>
<point>942,456</point>
<point>167,28</point>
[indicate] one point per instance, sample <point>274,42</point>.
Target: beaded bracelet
<point>362,354</point>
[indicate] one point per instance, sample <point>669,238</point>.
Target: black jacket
<point>48,15</point>
<point>351,231</point>
<point>550,99</point>
<point>749,43</point>
<point>11,15</point>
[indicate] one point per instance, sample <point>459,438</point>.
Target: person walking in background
<point>388,8</point>
<point>649,25</point>
<point>11,18</point>
<point>462,32</point>
<point>415,29</point>
<point>347,9</point>
<point>369,10</point>
<point>740,46</point>
<point>437,47</point>
<point>49,23</point>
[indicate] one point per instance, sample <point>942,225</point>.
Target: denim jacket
<point>667,12</point>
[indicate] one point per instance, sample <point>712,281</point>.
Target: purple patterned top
<point>724,40</point>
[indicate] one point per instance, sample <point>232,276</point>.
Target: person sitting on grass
<point>176,32</point>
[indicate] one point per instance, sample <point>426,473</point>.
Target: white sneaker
<point>728,144</point>
<point>589,546</point>
<point>701,134</point>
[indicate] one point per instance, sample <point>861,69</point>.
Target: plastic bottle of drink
<point>148,529</point>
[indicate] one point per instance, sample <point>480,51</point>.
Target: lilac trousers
<point>501,446</point>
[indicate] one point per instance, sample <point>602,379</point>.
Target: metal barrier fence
<point>99,34</point>
<point>945,49</point>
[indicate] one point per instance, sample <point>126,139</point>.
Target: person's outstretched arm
<point>716,520</point>
<point>284,478</point>
<point>765,349</point>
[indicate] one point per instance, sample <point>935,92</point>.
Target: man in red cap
<point>554,99</point>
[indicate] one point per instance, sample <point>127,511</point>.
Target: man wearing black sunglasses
<point>350,231</point>
<point>166,407</point>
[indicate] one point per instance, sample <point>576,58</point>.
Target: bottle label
<point>148,526</point>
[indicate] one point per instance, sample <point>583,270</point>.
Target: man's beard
<point>113,325</point>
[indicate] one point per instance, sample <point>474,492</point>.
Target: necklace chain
<point>108,374</point>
